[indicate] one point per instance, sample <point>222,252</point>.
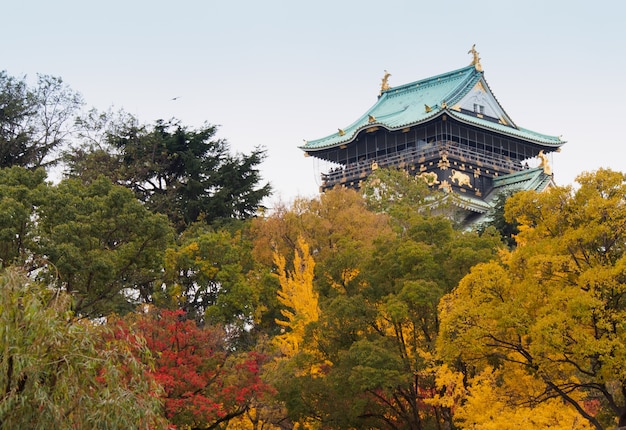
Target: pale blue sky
<point>273,73</point>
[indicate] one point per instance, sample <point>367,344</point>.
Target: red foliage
<point>204,382</point>
<point>592,406</point>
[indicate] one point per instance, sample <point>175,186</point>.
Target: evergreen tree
<point>188,175</point>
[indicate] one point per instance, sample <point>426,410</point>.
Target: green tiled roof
<point>420,101</point>
<point>519,132</point>
<point>530,179</point>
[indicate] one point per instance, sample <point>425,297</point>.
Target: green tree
<point>382,341</point>
<point>57,372</point>
<point>91,156</point>
<point>398,193</point>
<point>554,307</point>
<point>21,193</point>
<point>213,278</point>
<point>507,229</point>
<point>189,175</point>
<point>101,245</point>
<point>35,121</point>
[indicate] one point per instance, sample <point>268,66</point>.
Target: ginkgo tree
<point>553,310</point>
<point>298,297</point>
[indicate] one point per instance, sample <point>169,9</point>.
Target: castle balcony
<point>420,159</point>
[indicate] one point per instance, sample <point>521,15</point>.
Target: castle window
<point>479,108</point>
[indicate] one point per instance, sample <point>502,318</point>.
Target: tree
<point>95,241</point>
<point>15,110</point>
<point>21,193</point>
<point>206,384</point>
<point>499,398</point>
<point>91,156</point>
<point>390,358</point>
<point>212,277</point>
<point>339,229</point>
<point>403,196</point>
<point>395,191</point>
<point>58,372</point>
<point>189,175</point>
<point>553,308</point>
<point>298,297</point>
<point>369,358</point>
<point>508,230</point>
<point>34,122</point>
<point>101,245</point>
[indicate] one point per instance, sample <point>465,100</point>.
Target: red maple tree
<point>205,383</point>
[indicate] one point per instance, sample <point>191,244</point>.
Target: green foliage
<point>507,229</point>
<point>95,241</point>
<point>57,372</point>
<point>15,111</point>
<point>400,194</point>
<point>103,246</point>
<point>21,192</point>
<point>189,175</point>
<point>211,275</point>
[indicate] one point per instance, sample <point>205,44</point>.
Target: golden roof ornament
<point>384,86</point>
<point>476,60</point>
<point>544,162</point>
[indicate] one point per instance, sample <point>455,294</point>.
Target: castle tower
<point>448,129</point>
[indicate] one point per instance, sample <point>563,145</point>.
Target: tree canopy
<point>369,351</point>
<point>205,383</point>
<point>59,372</point>
<point>186,174</point>
<point>35,121</point>
<point>96,241</point>
<point>553,309</point>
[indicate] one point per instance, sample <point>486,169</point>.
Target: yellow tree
<point>338,228</point>
<point>554,308</point>
<point>300,308</point>
<point>499,399</point>
<point>298,296</point>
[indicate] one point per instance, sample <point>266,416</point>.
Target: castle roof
<point>533,179</point>
<point>454,94</point>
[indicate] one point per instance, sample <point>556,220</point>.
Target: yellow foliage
<point>251,420</point>
<point>497,399</point>
<point>450,381</point>
<point>298,297</point>
<point>308,424</point>
<point>347,276</point>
